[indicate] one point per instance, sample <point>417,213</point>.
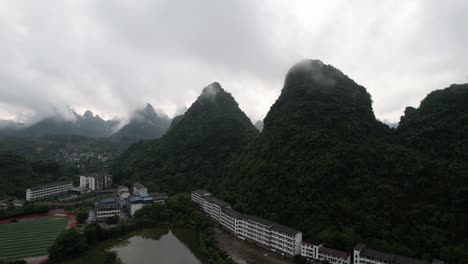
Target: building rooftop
<point>232,213</point>
<point>202,192</point>
<point>48,185</point>
<point>390,257</point>
<point>260,220</point>
<point>333,252</point>
<point>214,200</point>
<point>285,229</point>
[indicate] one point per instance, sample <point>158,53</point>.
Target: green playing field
<point>29,238</point>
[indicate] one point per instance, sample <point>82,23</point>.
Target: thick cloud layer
<point>114,56</point>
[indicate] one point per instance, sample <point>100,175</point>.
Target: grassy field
<point>29,238</point>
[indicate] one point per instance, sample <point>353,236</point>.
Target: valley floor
<point>243,252</point>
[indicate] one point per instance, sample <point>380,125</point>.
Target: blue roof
<point>135,199</point>
<point>147,198</point>
<point>107,200</point>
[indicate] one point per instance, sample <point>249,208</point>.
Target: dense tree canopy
<point>323,164</point>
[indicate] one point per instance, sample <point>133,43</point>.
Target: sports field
<point>29,238</point>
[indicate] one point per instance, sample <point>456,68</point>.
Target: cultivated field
<point>29,238</point>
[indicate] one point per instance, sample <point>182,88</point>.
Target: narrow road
<point>243,252</point>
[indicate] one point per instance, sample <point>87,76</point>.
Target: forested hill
<point>17,173</point>
<point>194,151</point>
<point>324,165</point>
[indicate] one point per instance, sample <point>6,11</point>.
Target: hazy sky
<point>114,56</point>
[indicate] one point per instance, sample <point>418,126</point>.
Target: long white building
<point>277,238</point>
<point>48,190</point>
<point>366,255</point>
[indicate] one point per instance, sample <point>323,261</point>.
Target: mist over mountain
<point>144,124</point>
<point>195,149</point>
<point>259,125</point>
<point>88,125</point>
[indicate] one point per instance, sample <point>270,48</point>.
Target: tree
<point>70,243</point>
<point>110,257</point>
<point>112,220</point>
<point>82,216</point>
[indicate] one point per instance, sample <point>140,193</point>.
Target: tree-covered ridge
<point>195,149</point>
<point>324,165</point>
<point>17,174</point>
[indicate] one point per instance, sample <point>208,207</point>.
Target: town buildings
<point>96,181</point>
<point>48,190</point>
<point>365,255</point>
<point>277,238</point>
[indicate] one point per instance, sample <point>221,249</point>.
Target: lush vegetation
<point>29,238</point>
<point>17,174</point>
<point>323,164</point>
<point>70,243</point>
<point>177,213</point>
<point>194,150</point>
<point>28,208</point>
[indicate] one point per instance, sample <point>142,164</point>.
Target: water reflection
<point>161,246</point>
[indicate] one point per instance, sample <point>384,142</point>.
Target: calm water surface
<point>162,246</point>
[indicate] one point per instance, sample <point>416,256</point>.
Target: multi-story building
<point>48,190</point>
<point>197,196</point>
<point>366,255</point>
<point>108,207</point>
<point>96,181</point>
<point>333,256</point>
<point>213,206</point>
<point>139,189</point>
<point>265,233</point>
<point>309,250</point>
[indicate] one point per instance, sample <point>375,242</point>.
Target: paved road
<point>243,252</point>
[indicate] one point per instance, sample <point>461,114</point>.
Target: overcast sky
<point>114,56</point>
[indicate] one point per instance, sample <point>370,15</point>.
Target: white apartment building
<point>96,181</point>
<point>139,189</point>
<point>197,196</point>
<point>309,250</point>
<point>333,256</point>
<point>48,190</point>
<point>213,206</point>
<point>277,238</point>
<point>366,255</point>
<point>108,207</point>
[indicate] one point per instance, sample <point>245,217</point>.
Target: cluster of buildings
<point>277,238</point>
<point>287,241</point>
<point>74,157</point>
<point>125,204</point>
<point>93,182</point>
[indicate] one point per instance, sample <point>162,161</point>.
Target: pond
<point>162,246</point>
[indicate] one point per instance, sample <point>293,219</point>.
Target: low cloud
<point>113,57</point>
